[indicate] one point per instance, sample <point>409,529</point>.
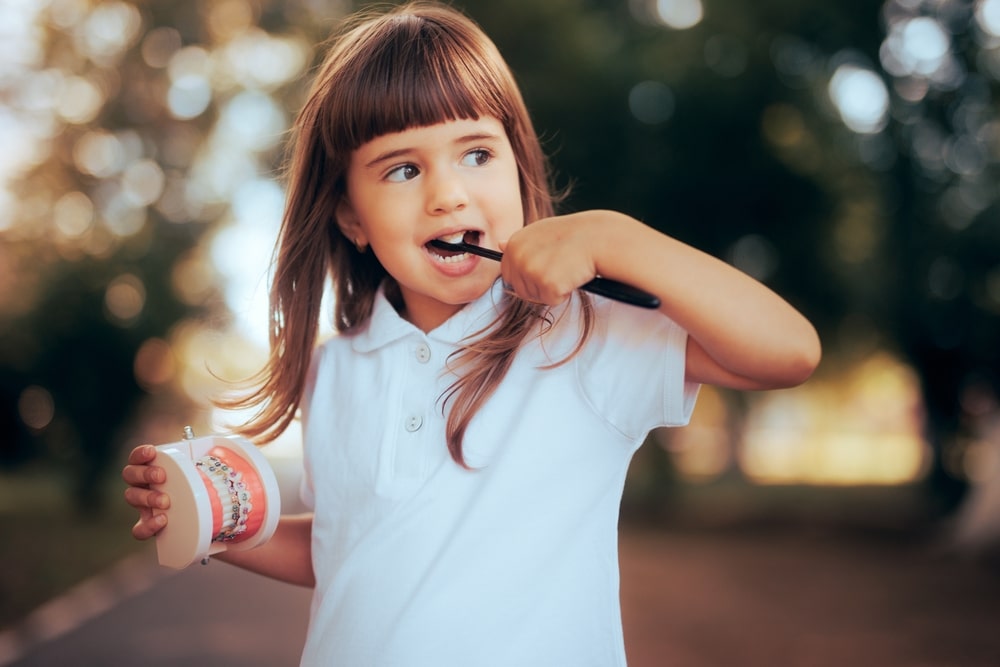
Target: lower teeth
<point>450,259</point>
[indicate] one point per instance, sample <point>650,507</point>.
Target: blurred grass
<point>47,545</point>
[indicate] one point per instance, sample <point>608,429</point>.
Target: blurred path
<point>690,599</point>
<point>805,597</point>
<point>205,615</point>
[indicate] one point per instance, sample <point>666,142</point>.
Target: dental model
<point>223,495</point>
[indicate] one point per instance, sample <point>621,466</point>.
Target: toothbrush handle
<point>602,286</point>
<point>621,292</point>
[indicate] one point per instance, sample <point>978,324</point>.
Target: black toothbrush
<point>603,286</point>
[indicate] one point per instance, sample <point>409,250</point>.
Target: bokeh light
<point>124,299</point>
<point>155,365</point>
<point>917,46</point>
<point>703,450</point>
<point>107,31</point>
<point>861,98</point>
<point>988,16</point>
<point>73,214</point>
<point>241,252</point>
<point>159,45</point>
<point>190,90</point>
<point>680,14</point>
<point>252,120</point>
<point>674,14</point>
<point>651,102</point>
<point>99,153</point>
<point>36,407</point>
<point>80,100</point>
<point>261,61</point>
<point>865,429</point>
<point>144,129</point>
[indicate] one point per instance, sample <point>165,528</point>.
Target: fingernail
<point>160,519</point>
<point>148,450</point>
<point>162,502</point>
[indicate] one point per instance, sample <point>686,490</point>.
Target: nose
<point>446,192</point>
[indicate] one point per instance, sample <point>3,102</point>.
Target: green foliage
<point>722,134</point>
<point>881,240</point>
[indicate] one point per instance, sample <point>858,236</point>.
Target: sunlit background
<point>861,425</point>
<point>851,165</point>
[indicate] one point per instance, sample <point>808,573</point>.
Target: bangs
<point>412,72</point>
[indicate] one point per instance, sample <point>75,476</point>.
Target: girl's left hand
<point>547,260</point>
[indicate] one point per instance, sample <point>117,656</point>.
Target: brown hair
<point>416,65</point>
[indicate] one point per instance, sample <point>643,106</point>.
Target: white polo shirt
<point>420,563</point>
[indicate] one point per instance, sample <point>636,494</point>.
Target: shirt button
<point>413,423</point>
<point>423,353</point>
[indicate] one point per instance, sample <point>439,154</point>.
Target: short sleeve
<point>632,369</point>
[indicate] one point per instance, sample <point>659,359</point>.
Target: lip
<point>451,232</point>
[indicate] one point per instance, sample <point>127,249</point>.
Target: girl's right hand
<point>139,473</point>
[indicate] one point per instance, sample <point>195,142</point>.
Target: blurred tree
<point>843,153</point>
<point>846,154</point>
<point>141,121</point>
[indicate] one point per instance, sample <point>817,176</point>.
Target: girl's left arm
<point>740,333</point>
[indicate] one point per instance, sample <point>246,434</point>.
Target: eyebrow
<point>399,152</point>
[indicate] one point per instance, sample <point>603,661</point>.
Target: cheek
<point>517,208</point>
<point>511,196</point>
<point>375,214</point>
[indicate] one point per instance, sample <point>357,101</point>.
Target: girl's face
<point>453,180</point>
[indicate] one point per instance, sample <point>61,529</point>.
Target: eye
<point>402,173</point>
<point>476,158</point>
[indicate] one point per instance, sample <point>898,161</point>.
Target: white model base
<point>187,537</point>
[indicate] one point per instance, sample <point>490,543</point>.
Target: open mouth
<point>450,256</point>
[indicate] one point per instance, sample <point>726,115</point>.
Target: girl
<point>467,433</point>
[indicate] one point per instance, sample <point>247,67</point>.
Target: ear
<point>349,224</point>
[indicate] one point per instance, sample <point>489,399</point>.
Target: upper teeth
<point>457,237</point>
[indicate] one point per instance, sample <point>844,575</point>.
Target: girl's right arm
<point>741,335</point>
<point>287,556</point>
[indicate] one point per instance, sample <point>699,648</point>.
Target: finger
<point>142,499</point>
<point>146,528</point>
<point>142,454</point>
<point>143,475</point>
<point>520,291</point>
<point>530,291</point>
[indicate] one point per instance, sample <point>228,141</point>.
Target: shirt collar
<point>386,326</point>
